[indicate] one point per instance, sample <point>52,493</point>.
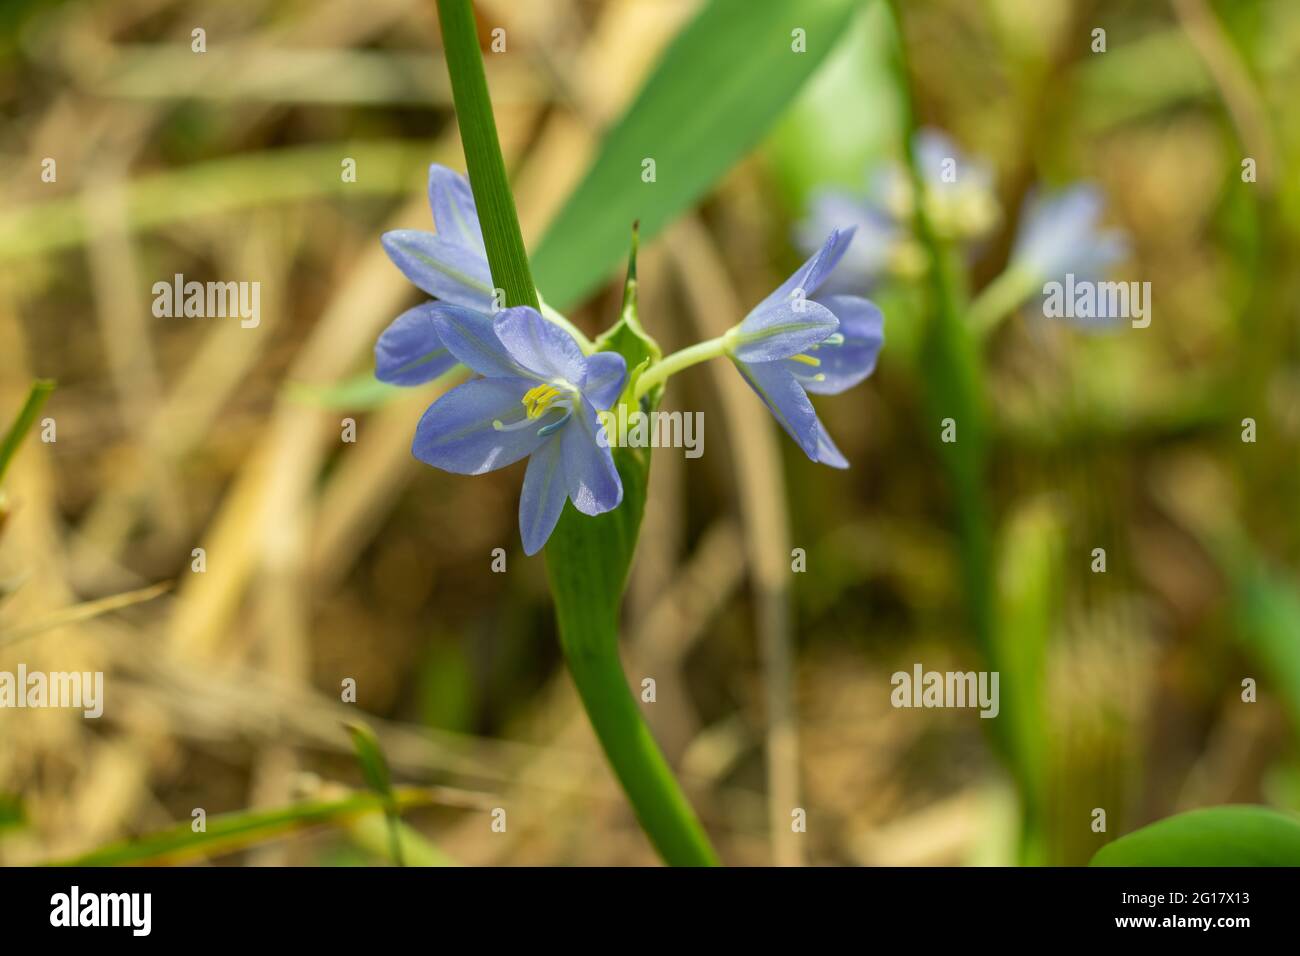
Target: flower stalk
<point>587,557</point>
<point>670,365</point>
<point>1000,298</point>
<point>955,389</point>
<point>955,383</point>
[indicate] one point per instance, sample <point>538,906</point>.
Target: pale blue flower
<point>960,202</point>
<point>538,398</point>
<point>1061,240</point>
<point>1059,233</point>
<point>793,343</point>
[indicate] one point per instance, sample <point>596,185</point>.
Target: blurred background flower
<point>959,199</point>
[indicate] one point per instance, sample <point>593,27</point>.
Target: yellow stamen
<point>806,360</point>
<point>539,399</point>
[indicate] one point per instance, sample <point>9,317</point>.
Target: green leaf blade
<point>723,81</point>
<point>239,830</point>
<point>374,768</point>
<point>23,422</point>
<point>1216,836</point>
<point>487,168</point>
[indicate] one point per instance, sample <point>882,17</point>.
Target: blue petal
<point>606,375</point>
<point>454,212</point>
<point>786,400</point>
<point>810,276</point>
<point>777,329</point>
<point>441,267</point>
<point>542,499</point>
<point>591,478</point>
<point>410,352</point>
<point>847,363</point>
<point>471,338</point>
<point>827,453</point>
<point>457,433</point>
<point>540,346</point>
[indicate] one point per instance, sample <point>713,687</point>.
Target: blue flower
<point>792,344</point>
<point>961,206</point>
<point>450,265</point>
<point>1060,238</point>
<point>1059,234</point>
<point>959,192</point>
<point>538,398</point>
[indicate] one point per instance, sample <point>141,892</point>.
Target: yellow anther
<point>537,400</point>
<point>806,360</point>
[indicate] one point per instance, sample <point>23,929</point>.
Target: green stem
<point>1000,298</point>
<point>587,561</point>
<point>672,364</point>
<point>587,558</point>
<point>954,388</point>
<point>487,167</point>
<point>660,806</point>
<point>40,391</point>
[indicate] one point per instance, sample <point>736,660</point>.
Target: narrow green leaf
<point>487,167</point>
<point>235,831</point>
<point>720,85</point>
<point>375,835</point>
<point>374,768</point>
<point>1217,836</point>
<point>23,422</point>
